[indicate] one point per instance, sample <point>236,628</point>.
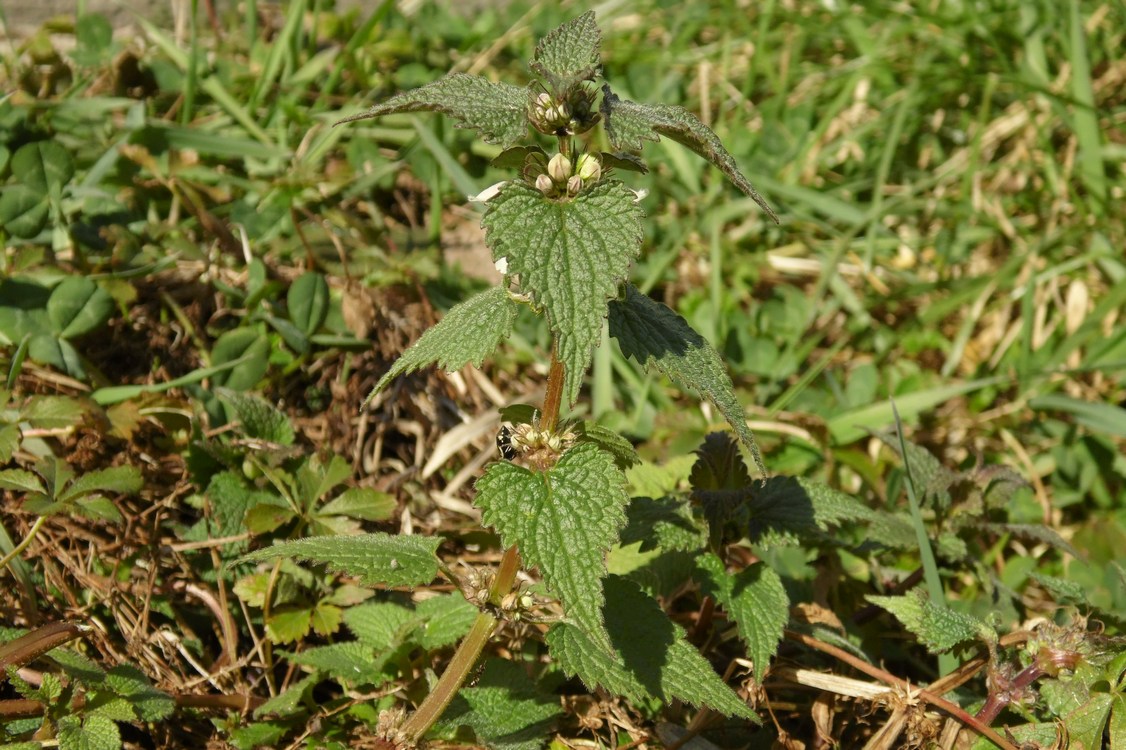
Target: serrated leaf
<point>932,479</point>
<point>10,438</point>
<point>504,708</point>
<point>497,110</point>
<point>1087,724</point>
<point>130,683</point>
<point>756,600</point>
<point>326,618</point>
<point>289,623</point>
<point>784,509</point>
<point>124,480</point>
<point>1062,590</point>
<point>938,628</point>
<point>467,334</point>
<point>629,125</point>
<point>515,157</point>
<point>288,701</point>
<point>98,508</point>
<point>625,455</point>
<point>664,523</point>
<point>307,301</point>
<point>655,336</point>
<point>350,661</point>
<point>90,733</point>
<point>360,502</point>
<point>570,51</point>
<point>572,256</point>
<point>1034,532</point>
<point>448,618</point>
<point>21,480</point>
<point>381,625</point>
<point>230,499</point>
<point>259,419</point>
<point>650,659</point>
<point>77,306</point>
<point>563,520</point>
<point>376,559</point>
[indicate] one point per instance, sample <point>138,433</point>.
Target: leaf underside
<point>650,657</point>
<point>467,334</point>
<point>655,336</point>
<point>630,124</point>
<point>497,110</point>
<point>572,256</point>
<point>563,520</point>
<point>376,559</point>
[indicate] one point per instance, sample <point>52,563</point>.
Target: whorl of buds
<point>571,114</point>
<point>560,178</point>
<point>559,169</point>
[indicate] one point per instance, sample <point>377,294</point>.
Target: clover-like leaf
<point>78,306</point>
<point>650,658</point>
<point>571,256</point>
<point>629,125</point>
<point>563,520</point>
<point>497,110</point>
<point>468,333</point>
<point>656,336</point>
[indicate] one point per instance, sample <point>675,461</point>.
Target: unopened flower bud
<point>544,100</point>
<point>559,169</point>
<point>544,184</point>
<point>574,185</point>
<point>589,168</point>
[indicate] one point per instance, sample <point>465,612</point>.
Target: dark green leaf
<point>258,418</point>
<point>23,211</point>
<point>570,51</point>
<point>629,124</point>
<point>307,301</point>
<point>43,166</point>
<point>656,336</point>
<point>497,110</point>
<point>756,600</point>
<point>247,345</point>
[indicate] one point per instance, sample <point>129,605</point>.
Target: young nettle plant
<point>564,233</point>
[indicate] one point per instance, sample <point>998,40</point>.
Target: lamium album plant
<point>564,231</point>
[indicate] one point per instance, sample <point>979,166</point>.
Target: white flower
<point>489,192</point>
<point>502,265</point>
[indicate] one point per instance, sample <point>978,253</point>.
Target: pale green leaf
<point>448,618</point>
<point>361,502</point>
<point>10,437</point>
<point>21,480</point>
<point>77,306</point>
<point>570,51</point>
<point>91,733</point>
<point>1086,724</point>
<point>376,559</point>
<point>289,700</point>
<point>350,661</point>
<point>98,508</point>
<point>289,623</point>
<point>629,124</point>
<point>381,625</point>
<point>504,708</point>
<point>124,480</point>
<point>650,657</point>
<point>756,600</point>
<point>258,418</point>
<point>656,336</point>
<point>326,618</point>
<point>572,256</point>
<point>563,520</point>
<point>497,110</point>
<point>52,412</point>
<point>938,628</point>
<point>467,334</point>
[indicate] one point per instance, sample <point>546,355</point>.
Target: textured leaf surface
<point>785,509</point>
<point>130,683</point>
<point>938,628</point>
<point>350,661</point>
<point>656,336</point>
<point>258,418</point>
<point>757,602</point>
<point>504,708</point>
<point>629,125</point>
<point>563,520</point>
<point>650,656</point>
<point>93,733</point>
<point>448,618</point>
<point>570,51</point>
<point>376,559</point>
<point>380,625</point>
<point>467,334</point>
<point>497,110</point>
<point>572,256</point>
<point>664,523</point>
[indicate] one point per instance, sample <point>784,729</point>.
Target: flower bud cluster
<point>571,114</point>
<point>535,447</point>
<point>560,178</point>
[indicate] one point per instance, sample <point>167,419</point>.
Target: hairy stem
<point>553,398</point>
